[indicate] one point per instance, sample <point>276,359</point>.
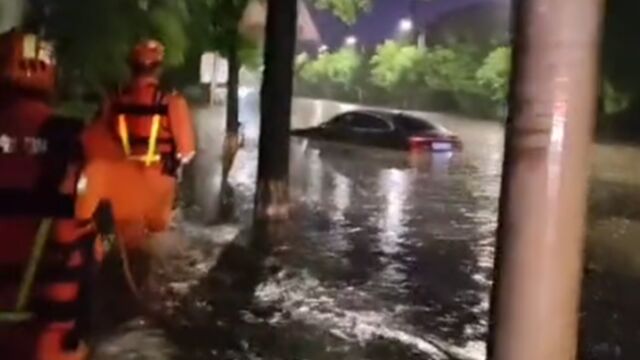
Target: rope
<point>126,264</point>
<point>30,274</point>
<point>20,313</point>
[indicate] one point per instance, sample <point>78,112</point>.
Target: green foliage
<point>621,50</point>
<point>301,61</point>
<point>250,55</point>
<point>339,68</point>
<point>614,100</point>
<point>226,15</point>
<point>315,71</point>
<point>168,22</point>
<point>395,64</point>
<point>225,20</point>
<point>452,69</point>
<point>345,10</point>
<point>343,65</point>
<point>94,38</point>
<point>494,73</point>
<point>397,74</point>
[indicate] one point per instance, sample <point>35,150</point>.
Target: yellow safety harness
<point>20,313</point>
<point>152,156</point>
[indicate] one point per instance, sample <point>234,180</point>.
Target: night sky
<point>372,28</point>
<point>382,22</point>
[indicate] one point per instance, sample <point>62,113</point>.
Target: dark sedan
<point>395,130</point>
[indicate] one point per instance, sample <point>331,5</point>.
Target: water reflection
<point>341,196</point>
<point>394,247</point>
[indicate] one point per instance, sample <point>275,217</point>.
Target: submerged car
<point>394,130</point>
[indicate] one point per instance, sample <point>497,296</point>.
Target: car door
<point>339,129</point>
<point>370,130</point>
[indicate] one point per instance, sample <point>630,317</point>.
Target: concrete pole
<point>542,214</point>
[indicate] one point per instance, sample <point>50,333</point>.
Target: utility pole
<point>272,193</point>
<point>539,259</point>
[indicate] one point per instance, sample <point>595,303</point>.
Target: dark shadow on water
<point>610,199</point>
<point>610,316</point>
<point>214,315</point>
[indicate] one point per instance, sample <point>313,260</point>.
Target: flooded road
<point>388,256</point>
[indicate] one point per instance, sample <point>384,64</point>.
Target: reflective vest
<point>152,126</point>
<point>143,130</point>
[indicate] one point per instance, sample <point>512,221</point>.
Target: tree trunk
<point>232,88</point>
<point>232,136</point>
<point>539,258</point>
<point>272,193</point>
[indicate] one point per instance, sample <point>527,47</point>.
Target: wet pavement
<point>388,256</point>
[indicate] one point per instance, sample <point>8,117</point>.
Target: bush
<point>456,78</point>
<point>494,73</point>
<point>333,75</point>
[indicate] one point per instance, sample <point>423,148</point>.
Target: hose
<point>105,223</point>
<point>126,266</point>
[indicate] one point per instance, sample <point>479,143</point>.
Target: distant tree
<point>226,19</point>
<point>494,73</point>
<point>334,73</point>
<point>315,71</point>
<point>615,101</point>
<point>345,10</point>
<point>93,38</point>
<point>301,61</point>
<point>621,54</point>
<point>452,69</point>
<point>168,22</point>
<point>343,66</point>
<point>455,78</point>
<point>620,59</point>
<point>395,65</point>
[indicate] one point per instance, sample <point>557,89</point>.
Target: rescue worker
<point>48,253</point>
<point>143,138</point>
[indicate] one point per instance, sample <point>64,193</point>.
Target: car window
<point>413,125</point>
<point>335,122</point>
<point>369,123</point>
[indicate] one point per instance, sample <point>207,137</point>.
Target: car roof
<point>377,113</point>
<point>392,115</point>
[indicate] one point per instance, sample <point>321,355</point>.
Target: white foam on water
<point>306,300</point>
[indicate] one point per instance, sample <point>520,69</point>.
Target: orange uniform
<point>47,255</point>
<point>136,149</point>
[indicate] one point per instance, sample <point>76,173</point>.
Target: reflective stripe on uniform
<point>153,140</point>
<point>152,156</point>
<point>123,131</point>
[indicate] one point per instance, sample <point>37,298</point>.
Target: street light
<point>405,25</point>
<point>351,40</point>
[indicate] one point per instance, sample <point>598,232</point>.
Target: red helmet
<point>147,54</point>
<point>27,62</point>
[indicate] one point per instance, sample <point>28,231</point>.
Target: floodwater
<point>388,256</point>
